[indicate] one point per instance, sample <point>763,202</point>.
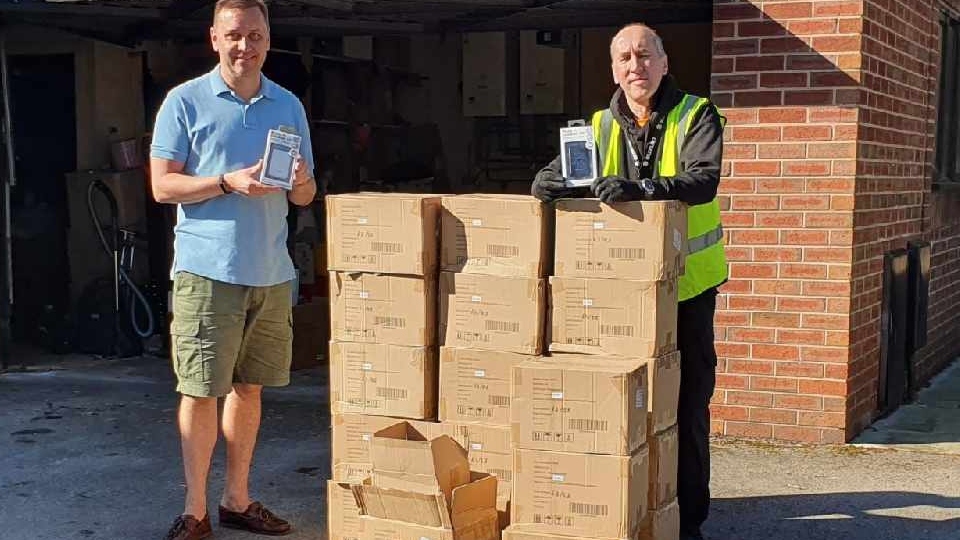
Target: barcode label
<point>477,222</point>
<point>587,302</point>
<point>586,509</point>
<point>479,373</point>
<point>503,474</point>
<point>616,330</point>
<point>498,401</point>
<point>390,322</point>
<point>500,250</point>
<point>558,477</point>
<point>630,254</point>
<point>587,424</point>
<point>365,437</point>
<point>556,395</point>
<point>391,393</point>
<point>599,225</point>
<point>386,247</point>
<point>640,400</point>
<point>476,299</point>
<point>366,366</point>
<point>361,221</point>
<point>476,446</point>
<point>364,294</point>
<point>503,326</point>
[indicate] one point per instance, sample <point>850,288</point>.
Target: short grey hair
<point>657,42</point>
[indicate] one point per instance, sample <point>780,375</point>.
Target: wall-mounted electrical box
<point>484,74</point>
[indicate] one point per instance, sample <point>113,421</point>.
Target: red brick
<point>781,151</point>
<point>756,134</point>
<point>799,369</point>
<point>780,185</point>
<point>740,151</point>
<point>811,27</point>
<point>738,185</point>
<point>825,354</point>
<point>784,80</point>
<point>737,286</point>
<point>825,322</point>
<point>842,202</point>
<point>826,288</point>
<point>724,29</point>
<point>755,202</point>
<point>808,62</point>
<point>838,305</point>
<point>838,9</point>
<point>738,219</point>
<point>805,238</point>
<point>759,98</point>
<point>805,403</point>
<point>738,253</point>
<point>808,97</point>
<point>732,381</point>
<point>828,44</point>
<point>735,12</point>
<point>753,237</point>
<point>844,167</point>
<point>748,270</point>
<point>848,96</point>
<point>832,436</point>
<point>803,271</point>
<point>778,286</point>
<point>731,318</point>
<point>806,133</point>
<point>732,350</point>
<point>788,10</point>
<point>775,352</point>
<point>833,115</point>
<point>824,388</point>
<point>740,116</point>
<point>837,339</point>
<point>736,47</point>
<point>835,404</point>
<point>797,434</point>
<point>772,416</point>
<point>728,412</point>
<point>749,367</point>
<point>749,399</point>
<point>837,255</point>
<point>850,63</point>
<point>831,150</point>
<point>716,427</point>
<point>756,168</point>
<point>760,28</point>
<point>801,337</point>
<point>822,419</point>
<point>833,185</point>
<point>806,305</point>
<point>776,320</point>
<point>807,167</point>
<point>782,115</point>
<point>778,220</point>
<point>733,82</point>
<point>781,45</point>
<point>777,254</point>
<point>839,272</point>
<point>760,63</point>
<point>834,220</point>
<point>749,430</point>
<point>752,302</point>
<point>835,79</point>
<point>850,26</point>
<point>751,335</point>
<point>805,202</point>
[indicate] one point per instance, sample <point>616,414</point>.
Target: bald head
<point>638,62</point>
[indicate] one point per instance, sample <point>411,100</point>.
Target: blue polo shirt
<point>207,127</point>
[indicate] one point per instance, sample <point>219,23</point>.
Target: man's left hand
<point>611,189</point>
<point>300,174</point>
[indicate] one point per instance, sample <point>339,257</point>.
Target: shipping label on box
<point>664,375</point>
<point>492,313</point>
<point>387,233</point>
<point>374,308</point>
<point>504,235</point>
<point>343,515</point>
<point>351,439</point>
<point>389,380</point>
<point>664,448</point>
<point>475,385</point>
<point>607,316</point>
<point>662,524</point>
<point>581,494</point>
<point>489,450</point>
<point>644,241</point>
<point>574,403</point>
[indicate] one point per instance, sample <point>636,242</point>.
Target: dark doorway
<point>43,114</point>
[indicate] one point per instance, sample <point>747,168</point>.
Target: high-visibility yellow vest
<point>706,265</point>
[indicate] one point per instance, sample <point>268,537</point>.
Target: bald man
<point>656,142</point>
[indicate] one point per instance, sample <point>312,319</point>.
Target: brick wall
<point>830,108</point>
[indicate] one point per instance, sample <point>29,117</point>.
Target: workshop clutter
<point>476,390</point>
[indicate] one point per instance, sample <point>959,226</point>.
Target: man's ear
<point>616,80</point>
<point>213,39</point>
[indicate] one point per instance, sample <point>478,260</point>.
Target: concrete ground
<point>89,449</point>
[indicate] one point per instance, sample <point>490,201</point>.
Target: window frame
<point>946,165</point>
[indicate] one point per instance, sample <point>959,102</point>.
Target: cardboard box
<point>343,514</point>
<point>522,531</point>
<point>388,380</point>
<point>664,376</point>
<point>352,435</point>
<point>643,241</point>
<point>580,494</point>
<point>492,312</point>
<point>664,448</point>
<point>385,529</point>
<point>388,233</point>
<point>574,403</point>
<point>606,316</point>
<point>374,308</point>
<point>489,450</point>
<point>311,328</point>
<point>500,235</point>
<point>475,385</point>
<point>405,459</point>
<point>662,524</point>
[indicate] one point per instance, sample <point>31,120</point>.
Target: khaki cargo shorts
<point>223,334</point>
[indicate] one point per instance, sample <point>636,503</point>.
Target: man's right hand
<point>549,186</point>
<point>247,182</point>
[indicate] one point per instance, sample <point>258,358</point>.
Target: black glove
<point>549,186</point>
<point>612,189</point>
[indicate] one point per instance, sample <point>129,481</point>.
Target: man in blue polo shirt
<point>231,332</point>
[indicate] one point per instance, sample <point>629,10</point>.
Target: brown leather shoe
<point>188,528</point>
<point>256,519</point>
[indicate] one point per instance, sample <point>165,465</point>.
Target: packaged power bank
<point>578,155</point>
<point>280,158</point>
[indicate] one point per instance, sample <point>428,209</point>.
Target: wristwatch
<point>222,182</point>
<point>648,187</point>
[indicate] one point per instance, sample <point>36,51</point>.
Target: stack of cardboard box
<point>382,253</point>
<point>494,256</point>
<point>594,424</point>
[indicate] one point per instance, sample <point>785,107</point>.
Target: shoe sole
<point>239,527</point>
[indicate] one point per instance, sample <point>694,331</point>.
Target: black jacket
<point>699,175</point>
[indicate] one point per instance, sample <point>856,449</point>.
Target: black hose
<point>119,272</point>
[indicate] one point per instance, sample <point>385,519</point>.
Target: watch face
<point>647,186</point>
